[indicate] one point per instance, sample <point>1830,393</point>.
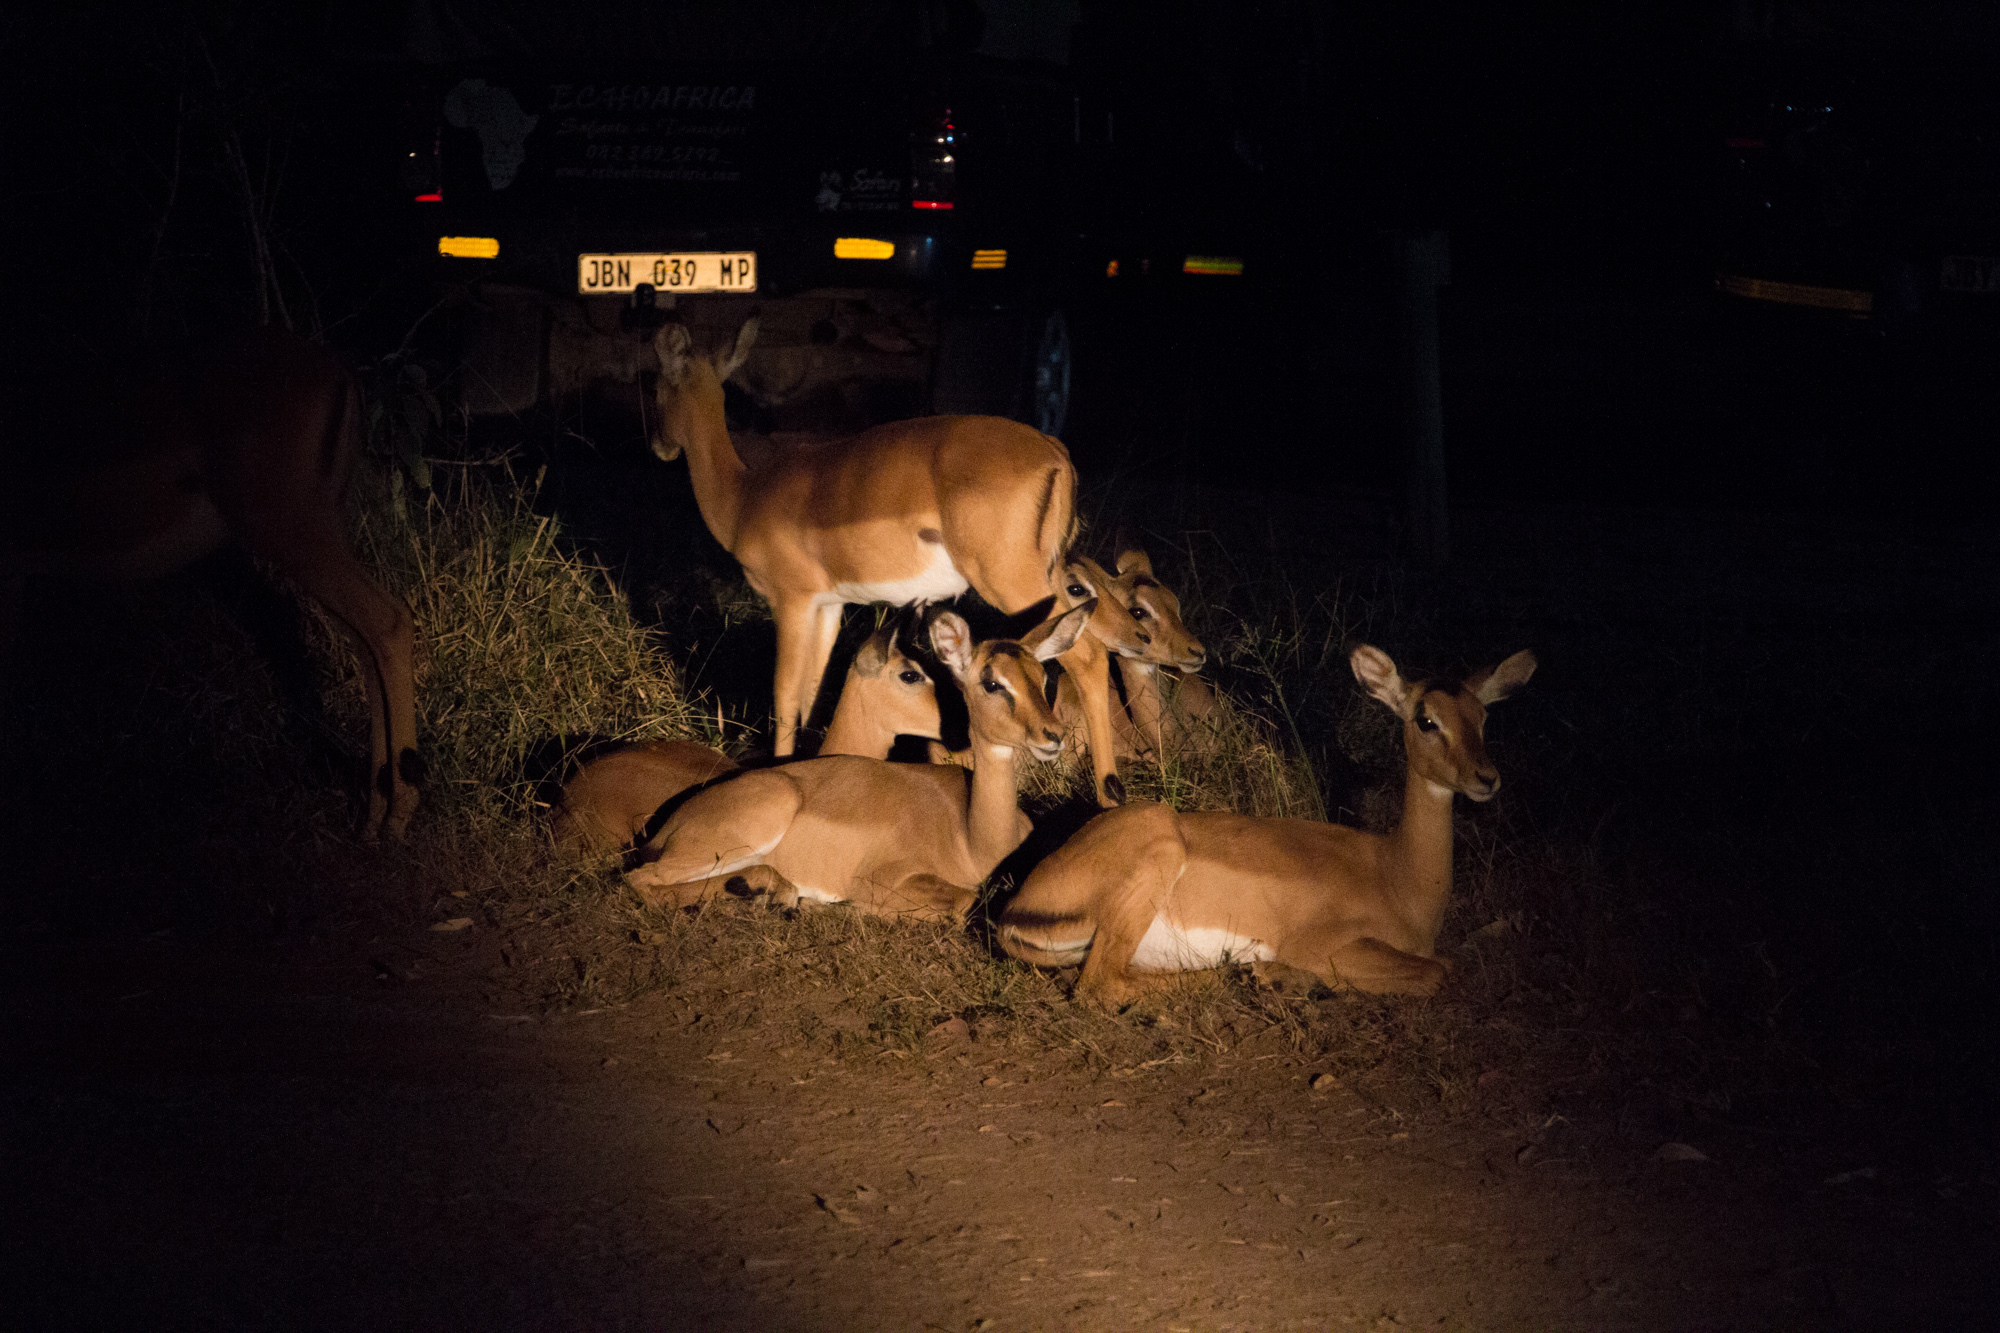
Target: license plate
<point>1970,273</point>
<point>697,271</point>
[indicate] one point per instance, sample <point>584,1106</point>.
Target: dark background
<point>1572,151</point>
<point>1574,155</point>
<point>1753,544</point>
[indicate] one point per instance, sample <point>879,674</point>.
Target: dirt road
<point>209,1136</point>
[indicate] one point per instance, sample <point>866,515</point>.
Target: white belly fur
<point>940,581</point>
<point>742,861</point>
<point>1170,948</point>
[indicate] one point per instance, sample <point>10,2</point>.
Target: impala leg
<point>378,738</point>
<point>1369,965</point>
<point>748,882</point>
<point>1128,911</point>
<point>1112,879</point>
<point>918,894</point>
<point>796,621</point>
<point>824,631</point>
<point>384,638</point>
<point>1069,712</point>
<point>1091,666</point>
<point>721,832</point>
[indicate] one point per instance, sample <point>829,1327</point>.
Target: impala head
<point>891,692</point>
<point>1006,687</point>
<point>690,388</point>
<point>1081,581</point>
<point>1444,726</point>
<point>1136,617</point>
<point>1157,611</point>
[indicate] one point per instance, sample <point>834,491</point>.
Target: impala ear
<point>873,656</point>
<point>1497,682</point>
<point>731,360</point>
<point>672,344</point>
<point>1378,675</point>
<point>1135,559</point>
<point>1052,638</point>
<point>952,638</point>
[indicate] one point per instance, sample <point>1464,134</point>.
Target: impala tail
<point>1055,516</point>
<point>1052,939</point>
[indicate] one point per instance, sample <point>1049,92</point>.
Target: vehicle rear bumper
<point>792,260</point>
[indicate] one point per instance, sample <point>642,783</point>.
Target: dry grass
<point>528,643</point>
<point>164,722</point>
<point>528,651</point>
<point>842,985</point>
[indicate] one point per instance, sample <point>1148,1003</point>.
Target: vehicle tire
<point>501,351</point>
<point>1006,364</point>
<point>1049,375</point>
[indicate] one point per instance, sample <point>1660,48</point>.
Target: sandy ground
<point>212,1136</point>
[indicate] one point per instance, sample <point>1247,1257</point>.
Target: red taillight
<point>422,171</point>
<point>934,144</point>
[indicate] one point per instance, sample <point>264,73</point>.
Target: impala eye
<point>1424,720</point>
<point>911,676</point>
<point>1140,613</point>
<point>994,687</point>
<point>1078,590</point>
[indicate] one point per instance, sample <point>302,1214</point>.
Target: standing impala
<point>909,512</point>
<point>914,839</point>
<point>1144,889</point>
<point>611,800</point>
<point>253,445</point>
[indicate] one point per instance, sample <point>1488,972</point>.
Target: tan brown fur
<point>901,512</point>
<point>1144,631</point>
<point>608,804</point>
<point>1357,909</point>
<point>894,839</point>
<point>252,445</point>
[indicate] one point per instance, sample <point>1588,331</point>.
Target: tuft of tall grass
<point>527,649</point>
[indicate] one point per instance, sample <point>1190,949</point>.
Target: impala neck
<point>993,815</point>
<point>1419,860</point>
<point>713,464</point>
<point>852,731</point>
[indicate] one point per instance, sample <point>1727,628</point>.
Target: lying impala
<point>1146,890</point>
<point>1144,631</point>
<point>915,839</point>
<point>909,512</point>
<point>611,800</point>
<point>254,445</point>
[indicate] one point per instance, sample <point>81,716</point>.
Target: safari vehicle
<point>1862,165</point>
<point>886,184</point>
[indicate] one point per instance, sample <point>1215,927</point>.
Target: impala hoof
<point>738,887</point>
<point>1111,997</point>
<point>651,892</point>
<point>1114,792</point>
